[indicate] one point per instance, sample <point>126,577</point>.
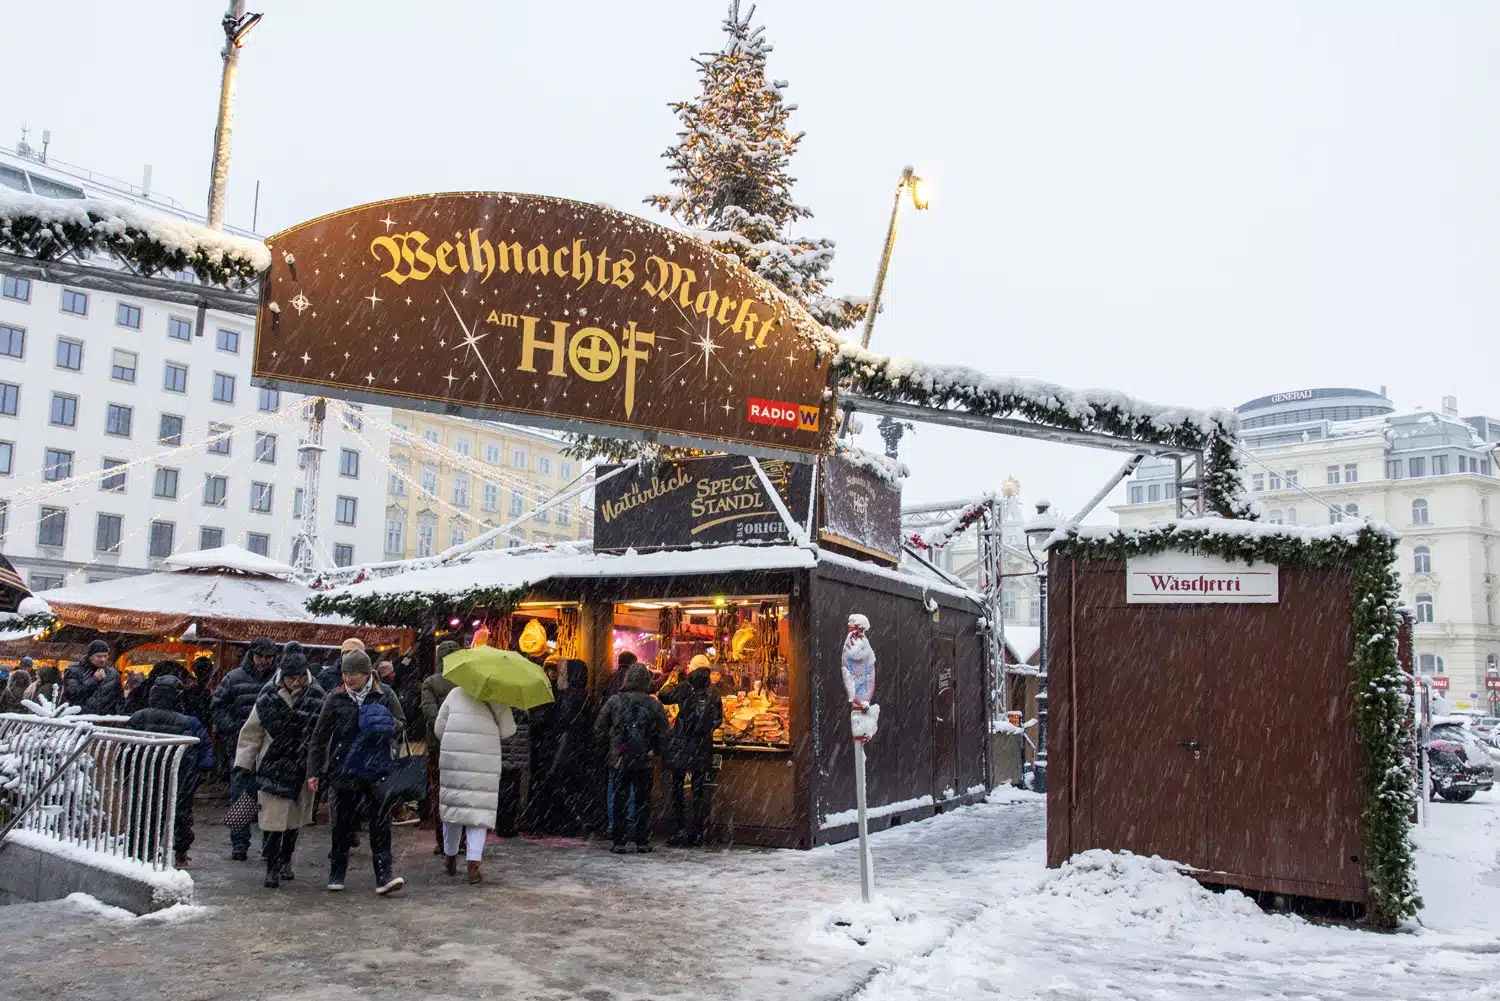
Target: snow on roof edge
<point>1346,531</point>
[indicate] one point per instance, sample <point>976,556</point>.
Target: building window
<point>1291,516</point>
<point>257,542</point>
<point>223,388</point>
<point>299,498</point>
<point>1153,492</point>
<point>345,509</point>
<point>107,534</point>
<point>426,533</point>
<point>57,465</point>
<point>12,341</point>
<point>349,463</point>
<point>270,399</point>
<point>65,410</point>
<point>562,514</point>
<point>429,480</point>
<point>7,457</point>
<point>432,436</point>
<point>492,454</point>
<point>1291,478</point>
<point>69,354</point>
<point>544,465</point>
<point>1275,481</point>
<point>400,470</point>
<point>1275,517</point>
<point>1421,560</point>
<point>1137,494</point>
<point>1419,512</point>
<point>517,504</point>
<point>210,538</point>
<point>1424,608</point>
<point>179,329</point>
<point>1335,514</point>
<point>75,302</point>
<point>1439,465</point>
<point>10,399</point>
<point>1393,469</point>
<point>458,534</point>
<point>52,528</point>
<point>260,497</point>
<point>512,543</point>
<point>1333,474</point>
<point>343,554</point>
<point>215,490</point>
<point>518,458</point>
<point>265,447</point>
<point>45,581</point>
<point>460,490</point>
<point>352,420</point>
<point>542,515</point>
<point>1416,466</point>
<point>1429,664</point>
<point>219,438</point>
<point>127,315</point>
<point>162,535</point>
<point>229,340</point>
<point>16,288</point>
<point>165,485</point>
<point>170,430</point>
<point>463,445</point>
<point>565,470</point>
<point>117,420</point>
<point>115,482</point>
<point>491,497</point>
<point>122,365</point>
<point>1351,511</point>
<point>174,378</point>
<point>1351,472</point>
<point>395,530</point>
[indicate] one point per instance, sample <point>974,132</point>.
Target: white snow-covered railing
<point>118,798</point>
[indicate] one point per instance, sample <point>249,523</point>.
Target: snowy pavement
<point>966,910</point>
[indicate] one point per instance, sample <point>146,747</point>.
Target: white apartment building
<point>94,380</point>
<point>1322,455</point>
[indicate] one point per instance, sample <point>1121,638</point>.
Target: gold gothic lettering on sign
<point>409,259</point>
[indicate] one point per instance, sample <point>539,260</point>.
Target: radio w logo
<point>782,415</point>
<point>809,417</point>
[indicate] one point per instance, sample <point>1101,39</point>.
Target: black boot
<point>385,882</point>
<point>338,865</point>
<point>271,849</point>
<point>273,873</point>
<point>284,863</point>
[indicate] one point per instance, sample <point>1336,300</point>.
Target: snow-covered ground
<point>965,910</point>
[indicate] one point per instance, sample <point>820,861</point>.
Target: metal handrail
<point>105,790</point>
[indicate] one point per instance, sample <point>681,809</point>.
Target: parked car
<point>1459,764</point>
<point>1487,729</point>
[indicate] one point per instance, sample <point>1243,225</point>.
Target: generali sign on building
<point>1193,579</point>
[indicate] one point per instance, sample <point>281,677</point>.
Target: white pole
<point>218,178</point>
<point>865,876</point>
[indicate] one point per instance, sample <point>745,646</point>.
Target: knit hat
<point>262,647</point>
<point>26,663</point>
<point>97,646</point>
<point>355,662</point>
<point>352,643</point>
<point>699,661</point>
<point>291,666</point>
<point>444,649</point>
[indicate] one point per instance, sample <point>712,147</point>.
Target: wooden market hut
<point>206,602</point>
<point>795,787</point>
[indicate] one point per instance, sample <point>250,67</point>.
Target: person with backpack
<point>472,733</point>
<point>351,750</point>
<point>633,726</point>
<point>273,746</point>
<point>690,749</point>
<point>164,715</point>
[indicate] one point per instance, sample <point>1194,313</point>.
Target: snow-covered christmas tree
<point>729,171</point>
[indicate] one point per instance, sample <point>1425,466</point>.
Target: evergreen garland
<point>416,609</point>
<point>1381,691</point>
<point>52,232</point>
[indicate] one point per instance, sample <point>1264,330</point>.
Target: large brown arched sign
<point>545,311</point>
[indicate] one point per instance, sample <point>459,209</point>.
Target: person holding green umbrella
<point>473,720</point>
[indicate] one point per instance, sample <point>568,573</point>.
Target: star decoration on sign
<point>370,378</point>
<point>388,221</point>
<point>300,302</point>
<point>306,357</point>
<point>373,298</point>
<point>451,379</point>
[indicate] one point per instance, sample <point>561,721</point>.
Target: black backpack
<point>633,734</point>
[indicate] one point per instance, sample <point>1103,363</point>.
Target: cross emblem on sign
<point>595,354</point>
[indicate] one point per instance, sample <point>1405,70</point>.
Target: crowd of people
<point>294,734</point>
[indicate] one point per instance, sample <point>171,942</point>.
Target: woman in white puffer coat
<point>469,773</point>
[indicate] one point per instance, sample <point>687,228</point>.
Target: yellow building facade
<point>451,479</point>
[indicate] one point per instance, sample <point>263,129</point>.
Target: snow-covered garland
<point>939,536</point>
<point>416,609</point>
<point>1382,690</point>
<point>50,229</point>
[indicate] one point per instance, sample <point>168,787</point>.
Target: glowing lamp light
<point>454,623</point>
<point>919,194</point>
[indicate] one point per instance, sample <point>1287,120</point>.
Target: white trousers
<point>451,834</point>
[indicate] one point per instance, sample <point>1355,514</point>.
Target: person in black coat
<point>92,685</point>
<point>230,707</point>
<point>336,732</point>
<point>690,750</point>
<point>140,698</point>
<point>164,715</point>
<point>195,692</point>
<point>633,727</point>
<point>570,736</point>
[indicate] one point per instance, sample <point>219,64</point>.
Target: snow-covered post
<point>858,668</point>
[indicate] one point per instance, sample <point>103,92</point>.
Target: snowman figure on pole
<point>858,669</point>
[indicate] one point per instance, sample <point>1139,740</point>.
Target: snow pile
<point>168,886</point>
<point>174,915</point>
<point>893,471</point>
<point>1009,795</point>
<point>844,817</point>
<point>231,559</point>
<point>1118,890</point>
<point>1345,531</point>
<point>882,928</point>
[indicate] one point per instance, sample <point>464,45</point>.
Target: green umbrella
<point>501,676</point>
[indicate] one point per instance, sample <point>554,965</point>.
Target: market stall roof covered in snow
<point>228,593</point>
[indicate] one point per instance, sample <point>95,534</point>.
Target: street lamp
<point>1038,530</point>
<point>237,27</point>
<point>913,186</point>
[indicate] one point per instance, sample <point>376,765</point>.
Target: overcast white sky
<point>1195,202</point>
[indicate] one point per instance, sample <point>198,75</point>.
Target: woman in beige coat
<point>273,745</point>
